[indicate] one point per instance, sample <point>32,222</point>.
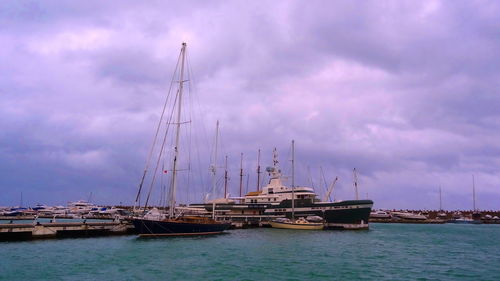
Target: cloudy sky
<point>405,91</point>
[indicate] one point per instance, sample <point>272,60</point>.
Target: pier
<point>37,230</point>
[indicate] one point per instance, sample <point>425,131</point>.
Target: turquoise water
<point>385,252</point>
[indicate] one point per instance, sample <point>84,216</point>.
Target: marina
<point>249,140</point>
<point>21,228</point>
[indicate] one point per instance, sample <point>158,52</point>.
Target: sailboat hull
<point>146,227</point>
<point>301,226</point>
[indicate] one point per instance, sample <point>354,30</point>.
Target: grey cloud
<point>404,91</point>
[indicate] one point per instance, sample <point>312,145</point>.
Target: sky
<point>406,92</point>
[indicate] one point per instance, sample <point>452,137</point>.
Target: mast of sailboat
<point>214,164</point>
<point>177,133</point>
<point>293,180</point>
<point>258,171</point>
<point>473,194</point>
<point>440,202</point>
<point>355,183</point>
<point>241,174</point>
<point>225,178</point>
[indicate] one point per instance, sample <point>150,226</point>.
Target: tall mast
<point>214,164</point>
<point>258,171</point>
<point>355,183</point>
<point>177,133</point>
<point>293,180</point>
<point>440,202</point>
<point>225,179</point>
<point>473,194</point>
<point>293,164</point>
<point>241,174</point>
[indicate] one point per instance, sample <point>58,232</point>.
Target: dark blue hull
<point>145,227</point>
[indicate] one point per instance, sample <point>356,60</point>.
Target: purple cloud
<point>406,92</point>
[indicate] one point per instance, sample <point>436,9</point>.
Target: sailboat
<point>441,214</point>
<point>155,223</point>
<point>300,223</point>
<point>476,215</point>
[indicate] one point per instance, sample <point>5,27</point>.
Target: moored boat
<point>275,200</point>
<point>408,216</point>
<point>380,215</point>
<point>155,223</point>
<point>300,224</point>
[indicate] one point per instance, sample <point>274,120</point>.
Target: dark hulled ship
<point>275,200</point>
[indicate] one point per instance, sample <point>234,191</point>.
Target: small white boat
<point>461,220</point>
<point>380,215</point>
<point>408,216</point>
<point>300,223</point>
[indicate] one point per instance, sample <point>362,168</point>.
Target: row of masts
<point>327,196</point>
<point>226,177</point>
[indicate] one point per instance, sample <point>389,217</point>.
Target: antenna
<point>241,173</point>
<point>355,183</point>
<point>225,179</point>
<point>258,171</point>
<point>473,194</point>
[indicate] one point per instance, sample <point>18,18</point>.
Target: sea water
<point>385,252</point>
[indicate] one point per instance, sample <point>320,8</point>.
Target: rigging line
<point>201,139</point>
<point>150,154</point>
<point>189,159</point>
<point>248,178</point>
<point>161,152</point>
<point>160,203</point>
<point>203,129</point>
<point>288,167</point>
<point>310,177</point>
<point>192,116</point>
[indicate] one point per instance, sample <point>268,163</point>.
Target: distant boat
<point>300,223</point>
<point>154,223</point>
<point>441,215</point>
<point>379,215</point>
<point>476,215</point>
<point>80,207</point>
<point>408,216</point>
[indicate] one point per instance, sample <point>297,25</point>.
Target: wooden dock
<point>37,230</point>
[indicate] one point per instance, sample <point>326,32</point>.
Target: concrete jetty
<point>37,230</point>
